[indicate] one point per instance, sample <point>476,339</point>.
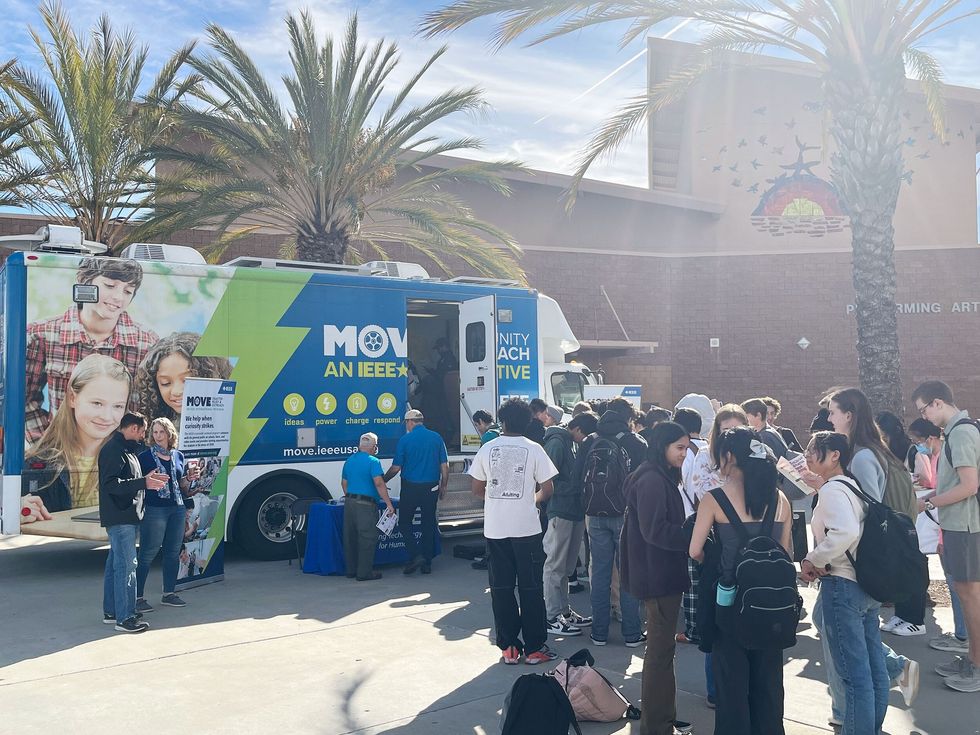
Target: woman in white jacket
<point>849,616</point>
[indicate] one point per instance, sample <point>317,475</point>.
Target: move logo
<point>370,341</point>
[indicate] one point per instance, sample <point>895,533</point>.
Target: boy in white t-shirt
<point>513,475</point>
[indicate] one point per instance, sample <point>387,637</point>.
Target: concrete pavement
<point>273,650</point>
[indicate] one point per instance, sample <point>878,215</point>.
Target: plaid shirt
<point>55,346</point>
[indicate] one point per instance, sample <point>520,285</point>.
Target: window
<point>476,342</point>
<point>568,389</point>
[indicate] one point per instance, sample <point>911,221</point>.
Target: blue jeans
<point>604,535</point>
<point>709,678</point>
<point>119,582</point>
<point>849,624</point>
<point>959,622</point>
<point>162,528</point>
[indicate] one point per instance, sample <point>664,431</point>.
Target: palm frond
<point>927,70</point>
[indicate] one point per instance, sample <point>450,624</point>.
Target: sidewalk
<point>273,650</point>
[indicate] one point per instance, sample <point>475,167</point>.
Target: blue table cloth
<point>325,541</point>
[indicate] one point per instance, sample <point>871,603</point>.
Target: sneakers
<point>889,625</point>
<point>480,563</point>
<point>170,600</point>
<point>108,619</point>
<point>684,638</point>
<point>683,727</point>
<point>908,682</point>
<point>637,643</point>
<point>142,606</point>
<point>949,643</point>
<point>597,641</point>
<point>908,629</point>
<point>560,626</point>
<point>511,655</point>
<point>132,625</point>
<point>952,668</point>
<point>542,656</point>
<point>574,587</point>
<point>968,680</point>
<point>579,621</point>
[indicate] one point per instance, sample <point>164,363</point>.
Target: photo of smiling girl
<point>166,367</point>
<point>62,468</point>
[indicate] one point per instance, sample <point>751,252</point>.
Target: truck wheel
<point>262,523</point>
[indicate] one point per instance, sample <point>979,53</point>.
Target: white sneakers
<point>899,627</point>
<point>889,625</point>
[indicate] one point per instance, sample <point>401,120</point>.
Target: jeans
<point>659,689</point>
<point>849,623</point>
<point>418,496</point>
<point>562,541</point>
<point>709,678</point>
<point>119,581</point>
<point>604,533</point>
<point>162,528</point>
<point>959,622</point>
<point>517,562</point>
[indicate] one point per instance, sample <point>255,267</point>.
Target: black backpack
<point>537,705</point>
<point>606,467</point>
<point>767,605</point>
<point>949,450</point>
<point>889,565</point>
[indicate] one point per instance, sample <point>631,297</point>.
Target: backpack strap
<point>854,488</point>
<point>729,510</point>
<point>564,703</point>
<point>949,450</point>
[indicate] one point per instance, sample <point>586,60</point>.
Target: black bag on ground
<point>537,705</point>
<point>603,477</point>
<point>767,605</point>
<point>470,551</point>
<point>889,565</point>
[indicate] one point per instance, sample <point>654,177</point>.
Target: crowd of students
<point>680,521</point>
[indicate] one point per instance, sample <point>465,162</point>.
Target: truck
<point>320,354</point>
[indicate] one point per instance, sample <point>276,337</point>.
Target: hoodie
<point>566,501</point>
<point>611,425</point>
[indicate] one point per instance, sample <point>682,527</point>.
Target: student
<point>848,616</point>
<point>651,418</point>
<point>757,412</point>
<point>959,518</point>
<point>162,526</point>
<point>165,369</point>
<point>364,488</point>
<point>513,474</point>
<point>772,415</point>
<point>55,346</point>
<point>690,420</point>
<point>64,474</point>
<point>749,682</point>
<point>899,444</point>
<point>654,567</point>
<point>484,424</point>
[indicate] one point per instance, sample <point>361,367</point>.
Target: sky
<point>537,113</point>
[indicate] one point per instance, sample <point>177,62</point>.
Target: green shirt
<point>964,445</point>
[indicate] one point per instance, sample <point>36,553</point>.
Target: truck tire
<point>262,521</point>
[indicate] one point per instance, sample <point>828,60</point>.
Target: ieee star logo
<point>371,341</point>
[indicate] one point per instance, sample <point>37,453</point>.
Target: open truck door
<point>477,366</point>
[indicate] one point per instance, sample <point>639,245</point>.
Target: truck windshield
<point>568,389</point>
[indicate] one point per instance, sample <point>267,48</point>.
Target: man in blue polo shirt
<point>421,458</point>
<point>364,489</point>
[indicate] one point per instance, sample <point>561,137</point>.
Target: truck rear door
<point>477,366</point>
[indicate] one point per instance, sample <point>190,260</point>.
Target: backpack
<point>889,565</point>
<point>603,476</point>
<point>767,605</point>
<point>899,490</point>
<point>593,697</point>
<point>537,705</point>
<point>949,450</point>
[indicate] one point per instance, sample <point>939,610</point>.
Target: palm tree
<point>330,169</point>
<point>862,49</point>
<point>90,126</point>
<point>15,173</point>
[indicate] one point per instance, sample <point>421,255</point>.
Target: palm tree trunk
<point>322,247</point>
<point>867,168</point>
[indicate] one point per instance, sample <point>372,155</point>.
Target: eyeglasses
<point>922,411</point>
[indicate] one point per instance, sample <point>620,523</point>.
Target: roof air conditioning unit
<point>164,253</point>
<point>392,269</point>
<point>54,239</point>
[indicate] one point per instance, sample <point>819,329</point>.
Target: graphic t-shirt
<point>512,467</point>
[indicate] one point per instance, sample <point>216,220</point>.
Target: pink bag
<point>593,698</point>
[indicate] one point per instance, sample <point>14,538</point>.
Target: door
<point>477,367</point>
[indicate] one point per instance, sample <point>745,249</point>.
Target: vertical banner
<point>205,441</point>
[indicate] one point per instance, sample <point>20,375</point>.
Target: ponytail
<point>758,466</point>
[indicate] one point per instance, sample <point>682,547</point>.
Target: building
<point>730,274</point>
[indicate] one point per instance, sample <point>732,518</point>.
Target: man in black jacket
<point>121,490</point>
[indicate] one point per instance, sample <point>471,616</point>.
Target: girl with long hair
<point>166,367</point>
<point>62,467</point>
<point>654,565</point>
<point>847,616</point>
<point>749,682</point>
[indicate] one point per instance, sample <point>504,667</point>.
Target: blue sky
<point>523,85</point>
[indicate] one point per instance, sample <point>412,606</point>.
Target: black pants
<point>749,685</point>
<point>518,562</point>
<point>360,535</point>
<point>418,496</point>
<point>913,609</point>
